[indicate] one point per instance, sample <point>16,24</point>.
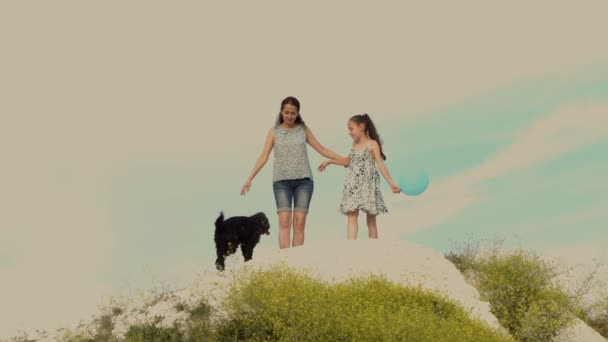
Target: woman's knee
<point>284,219</point>
<point>299,220</point>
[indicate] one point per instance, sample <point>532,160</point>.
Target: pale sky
<point>127,126</point>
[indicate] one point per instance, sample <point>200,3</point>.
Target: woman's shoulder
<point>271,132</point>
<point>298,127</point>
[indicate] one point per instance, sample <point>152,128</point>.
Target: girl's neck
<point>286,126</point>
<point>362,140</point>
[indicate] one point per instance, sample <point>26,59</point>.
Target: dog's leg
<point>247,251</point>
<point>221,256</point>
<point>222,252</point>
<point>219,264</point>
<point>232,247</point>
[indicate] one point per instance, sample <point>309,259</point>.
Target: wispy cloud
<point>568,128</point>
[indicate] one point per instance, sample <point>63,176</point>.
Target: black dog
<point>238,230</point>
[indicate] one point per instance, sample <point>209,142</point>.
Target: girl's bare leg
<point>372,227</point>
<point>284,228</point>
<point>353,227</point>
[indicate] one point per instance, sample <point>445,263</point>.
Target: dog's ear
<point>260,218</point>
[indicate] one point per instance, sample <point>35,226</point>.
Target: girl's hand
<point>245,188</point>
<point>323,166</point>
<point>395,188</point>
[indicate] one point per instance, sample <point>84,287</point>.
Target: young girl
<point>362,188</point>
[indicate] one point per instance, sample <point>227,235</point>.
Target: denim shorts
<point>293,191</point>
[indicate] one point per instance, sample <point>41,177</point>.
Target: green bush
<point>102,326</point>
<point>151,332</point>
<point>600,323</point>
<point>198,325</point>
<point>195,329</point>
<point>521,289</point>
<point>464,257</point>
<point>596,316</point>
<point>201,312</point>
<point>281,304</point>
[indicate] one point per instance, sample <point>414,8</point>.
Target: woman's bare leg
<point>299,222</point>
<point>284,228</point>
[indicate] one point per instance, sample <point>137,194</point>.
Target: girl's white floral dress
<point>362,187</point>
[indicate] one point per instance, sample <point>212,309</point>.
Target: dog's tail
<point>219,222</point>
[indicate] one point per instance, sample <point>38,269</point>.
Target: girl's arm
<point>322,150</point>
<point>383,169</point>
<point>262,159</point>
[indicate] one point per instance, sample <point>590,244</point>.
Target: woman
<point>291,175</point>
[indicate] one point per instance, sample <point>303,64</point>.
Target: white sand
<point>579,332</point>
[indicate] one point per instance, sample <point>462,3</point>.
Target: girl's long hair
<point>370,129</point>
<point>292,101</point>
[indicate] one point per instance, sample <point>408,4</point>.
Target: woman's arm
<point>322,150</point>
<point>344,162</point>
<point>262,159</point>
<point>383,169</point>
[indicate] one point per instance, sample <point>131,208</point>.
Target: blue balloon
<point>412,182</point>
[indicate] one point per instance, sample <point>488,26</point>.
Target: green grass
<point>523,291</point>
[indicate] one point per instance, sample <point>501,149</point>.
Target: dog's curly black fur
<point>238,231</point>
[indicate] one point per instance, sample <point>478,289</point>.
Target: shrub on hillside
<point>521,289</point>
<point>596,316</point>
<point>282,304</point>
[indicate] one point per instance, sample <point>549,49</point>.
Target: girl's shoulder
<point>372,143</point>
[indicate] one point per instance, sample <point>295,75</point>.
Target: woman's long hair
<point>292,101</point>
<point>370,129</point>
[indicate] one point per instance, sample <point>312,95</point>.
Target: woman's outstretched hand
<point>323,166</point>
<point>245,188</point>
